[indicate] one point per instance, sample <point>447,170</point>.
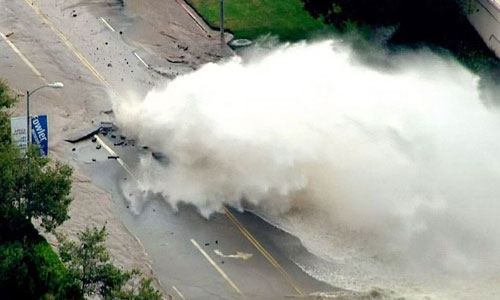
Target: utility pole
<point>53,85</point>
<point>222,40</point>
<point>28,119</point>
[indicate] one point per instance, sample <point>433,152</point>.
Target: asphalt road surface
<point>188,250</point>
<point>102,50</point>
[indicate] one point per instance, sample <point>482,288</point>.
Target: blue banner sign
<point>40,133</point>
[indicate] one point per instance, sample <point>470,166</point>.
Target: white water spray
<point>401,165</point>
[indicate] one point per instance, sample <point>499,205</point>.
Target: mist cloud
<point>407,159</point>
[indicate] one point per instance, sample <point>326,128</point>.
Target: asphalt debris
<point>183,47</point>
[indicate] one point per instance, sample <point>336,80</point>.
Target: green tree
<point>32,270</point>
<point>30,187</point>
<point>89,263</point>
<point>6,101</point>
<point>441,25</point>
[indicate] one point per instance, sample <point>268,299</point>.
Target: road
<point>103,51</point>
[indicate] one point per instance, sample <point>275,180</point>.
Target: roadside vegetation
<point>35,188</point>
<point>392,24</point>
<point>439,25</point>
<point>251,19</point>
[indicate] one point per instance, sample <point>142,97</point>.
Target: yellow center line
<point>231,217</point>
<point>68,44</point>
<point>263,251</point>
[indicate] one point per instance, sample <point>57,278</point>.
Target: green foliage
<point>6,101</point>
<point>31,270</point>
<point>430,23</point>
<point>89,263</point>
<point>48,192</point>
<point>145,291</point>
<point>251,19</point>
<point>30,187</point>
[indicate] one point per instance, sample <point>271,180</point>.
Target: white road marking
<point>140,59</point>
<point>240,255</point>
<point>178,292</point>
<point>192,15</point>
<point>107,24</point>
<point>25,60</point>
<point>112,152</point>
<point>212,262</point>
<point>68,44</point>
